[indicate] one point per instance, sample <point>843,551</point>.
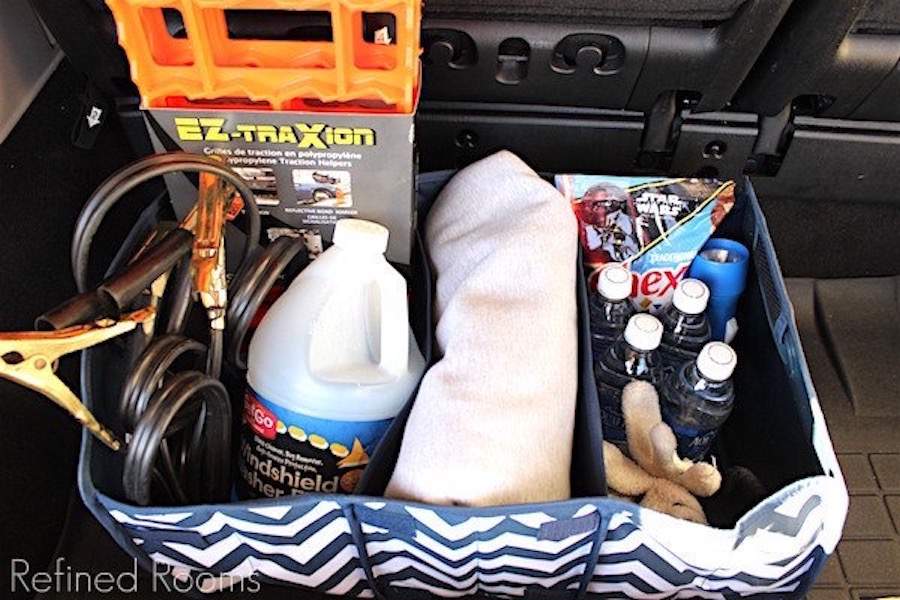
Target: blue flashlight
<point>722,266</point>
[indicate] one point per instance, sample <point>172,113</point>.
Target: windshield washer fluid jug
<point>332,362</point>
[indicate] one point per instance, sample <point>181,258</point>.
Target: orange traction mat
<point>208,66</point>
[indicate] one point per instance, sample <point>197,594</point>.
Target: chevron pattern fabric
<point>538,551</point>
<point>633,565</point>
<point>775,551</point>
<point>454,555</point>
<point>304,543</point>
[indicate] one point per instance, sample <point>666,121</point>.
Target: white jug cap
<point>614,282</point>
<point>643,332</point>
<point>357,234</point>
<point>716,361</point>
<point>691,296</point>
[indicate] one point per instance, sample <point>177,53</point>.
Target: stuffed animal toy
<point>662,480</point>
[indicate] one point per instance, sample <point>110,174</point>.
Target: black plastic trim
<point>827,158</point>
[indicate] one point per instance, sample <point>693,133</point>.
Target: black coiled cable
<point>181,423</point>
<point>250,289</point>
<point>131,176</point>
<point>188,402</point>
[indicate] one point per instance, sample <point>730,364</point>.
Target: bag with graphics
<point>654,226</point>
<point>591,546</point>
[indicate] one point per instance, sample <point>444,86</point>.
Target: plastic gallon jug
<point>332,362</point>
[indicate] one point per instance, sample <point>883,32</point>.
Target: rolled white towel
<point>492,422</point>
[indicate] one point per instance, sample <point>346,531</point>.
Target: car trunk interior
<point>707,94</point>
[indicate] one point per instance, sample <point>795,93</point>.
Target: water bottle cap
<point>357,234</point>
<point>716,361</point>
<point>643,332</point>
<point>614,282</point>
<point>691,296</point>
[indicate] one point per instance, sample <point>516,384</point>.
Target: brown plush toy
<point>664,481</point>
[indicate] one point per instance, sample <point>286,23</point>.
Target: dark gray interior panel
<point>867,562</point>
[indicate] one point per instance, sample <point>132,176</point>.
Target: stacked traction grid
<point>308,100</point>
<point>209,64</point>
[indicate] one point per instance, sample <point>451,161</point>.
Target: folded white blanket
<point>492,423</point>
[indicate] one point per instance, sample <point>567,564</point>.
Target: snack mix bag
<point>655,226</point>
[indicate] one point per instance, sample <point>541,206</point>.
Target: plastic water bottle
<point>633,356</point>
<point>697,399</point>
<point>332,362</point>
<point>685,325</point>
<point>610,307</point>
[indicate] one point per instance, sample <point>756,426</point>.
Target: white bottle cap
<point>716,361</point>
<point>364,236</point>
<point>643,332</point>
<point>691,296</point>
<point>614,282</point>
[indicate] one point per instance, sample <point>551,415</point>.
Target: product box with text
<point>307,170</point>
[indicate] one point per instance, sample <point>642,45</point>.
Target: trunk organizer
<point>591,546</point>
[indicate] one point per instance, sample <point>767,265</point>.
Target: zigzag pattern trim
<point>633,564</point>
<point>306,545</point>
<point>452,554</point>
<point>501,555</point>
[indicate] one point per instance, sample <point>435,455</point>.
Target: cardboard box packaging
<point>308,170</point>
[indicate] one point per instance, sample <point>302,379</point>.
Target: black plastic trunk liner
<point>850,330</point>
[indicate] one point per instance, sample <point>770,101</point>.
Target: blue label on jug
<point>285,453</point>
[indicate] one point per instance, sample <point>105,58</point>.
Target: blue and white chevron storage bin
<point>592,546</point>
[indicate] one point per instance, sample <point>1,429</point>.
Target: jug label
<point>286,453</point>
